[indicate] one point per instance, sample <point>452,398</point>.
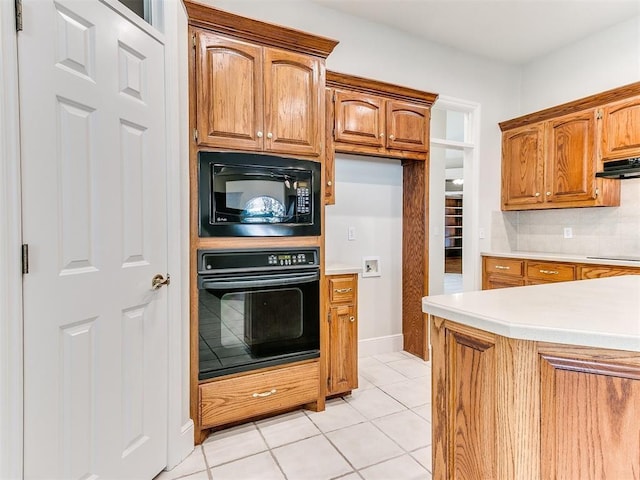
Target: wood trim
<point>379,152</point>
<point>439,401</point>
<point>518,391</point>
<point>597,367</point>
<point>593,101</point>
<point>257,31</point>
<point>415,272</point>
<point>376,87</point>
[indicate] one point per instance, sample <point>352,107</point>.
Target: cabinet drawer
<point>551,272</point>
<point>342,289</point>
<point>598,271</point>
<point>238,398</point>
<point>504,266</point>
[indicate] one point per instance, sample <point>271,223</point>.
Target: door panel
<point>523,166</point>
<point>407,126</point>
<point>229,93</point>
<point>359,119</point>
<point>292,102</point>
<point>94,215</point>
<point>572,158</point>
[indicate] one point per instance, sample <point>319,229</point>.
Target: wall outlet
<point>481,233</point>
<point>351,233</point>
<point>568,232</point>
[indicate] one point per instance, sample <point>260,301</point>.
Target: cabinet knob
<point>329,183</point>
<point>352,318</point>
<point>269,135</point>
<point>548,194</point>
<point>382,135</point>
<point>392,137</point>
<point>537,194</point>
<point>259,134</point>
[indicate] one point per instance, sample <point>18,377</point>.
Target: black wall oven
<point>257,308</point>
<point>248,194</point>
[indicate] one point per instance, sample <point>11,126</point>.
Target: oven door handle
<point>279,280</point>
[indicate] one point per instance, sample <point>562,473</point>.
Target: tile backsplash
<point>596,231</point>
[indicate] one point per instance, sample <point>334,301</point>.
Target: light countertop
<point>564,257</point>
<point>337,269</point>
<point>603,312</point>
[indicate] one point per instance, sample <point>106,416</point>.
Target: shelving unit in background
<point>453,234</point>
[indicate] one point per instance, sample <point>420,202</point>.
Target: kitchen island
<point>537,382</point>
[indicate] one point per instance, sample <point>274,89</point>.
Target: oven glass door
<point>252,321</point>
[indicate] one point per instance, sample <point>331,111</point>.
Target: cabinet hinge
<point>25,258</point>
<point>18,4</point>
<point>329,317</point>
<point>599,115</point>
<point>597,192</point>
<point>328,383</point>
<point>193,40</point>
<point>195,134</point>
<point>334,97</point>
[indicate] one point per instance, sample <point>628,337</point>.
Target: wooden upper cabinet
<point>229,89</point>
<point>359,119</point>
<point>407,126</point>
<point>380,119</point>
<point>257,98</point>
<point>550,158</point>
<point>293,111</point>
<point>523,167</point>
<point>571,158</point>
<point>620,132</point>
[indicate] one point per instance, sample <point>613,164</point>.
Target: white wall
<point>600,62</point>
<point>382,53</point>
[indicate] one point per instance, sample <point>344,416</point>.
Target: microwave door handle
<point>221,284</point>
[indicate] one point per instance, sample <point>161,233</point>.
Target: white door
<point>94,217</point>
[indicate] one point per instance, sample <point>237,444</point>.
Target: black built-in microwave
<point>255,195</point>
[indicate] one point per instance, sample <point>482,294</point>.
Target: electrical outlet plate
<point>568,232</point>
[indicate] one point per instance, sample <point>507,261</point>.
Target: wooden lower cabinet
<point>501,272</point>
<point>514,409</point>
<point>342,315</point>
<point>246,396</point>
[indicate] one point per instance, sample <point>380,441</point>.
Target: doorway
<point>452,209</point>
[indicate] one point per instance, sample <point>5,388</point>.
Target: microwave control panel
<point>303,200</point>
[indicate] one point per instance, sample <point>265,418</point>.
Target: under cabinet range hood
<point>621,169</point>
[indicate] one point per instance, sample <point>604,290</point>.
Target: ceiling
<point>513,31</point>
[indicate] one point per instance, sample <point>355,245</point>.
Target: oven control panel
<point>235,260</point>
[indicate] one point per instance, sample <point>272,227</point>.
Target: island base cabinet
<point>510,409</point>
<point>590,419</point>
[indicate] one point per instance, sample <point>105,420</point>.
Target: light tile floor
<point>381,432</point>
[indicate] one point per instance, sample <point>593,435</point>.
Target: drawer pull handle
<point>550,272</point>
<point>343,290</point>
<point>352,318</point>
<point>502,267</point>
<point>264,394</point>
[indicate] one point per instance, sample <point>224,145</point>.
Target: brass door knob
<point>158,281</point>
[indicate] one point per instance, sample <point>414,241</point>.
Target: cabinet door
<point>359,119</point>
<point>343,350</point>
<point>407,126</point>
<point>293,113</point>
<point>464,403</point>
<point>620,132</point>
<point>571,159</point>
<point>229,99</point>
<point>590,417</point>
<point>523,167</point>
